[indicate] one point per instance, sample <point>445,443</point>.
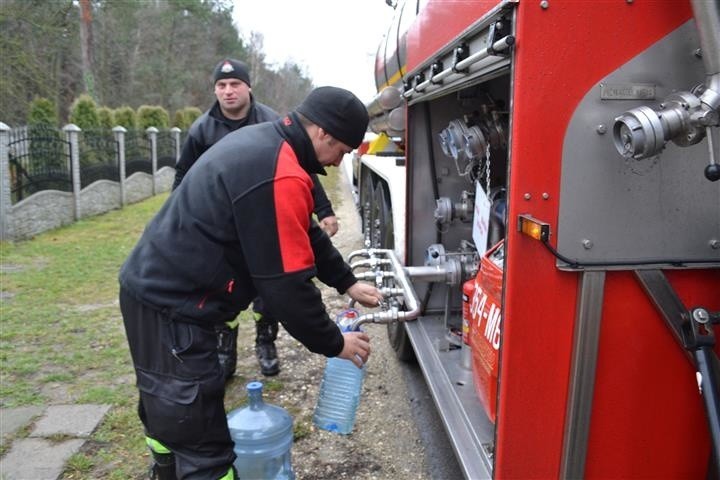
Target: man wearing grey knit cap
<point>238,227</point>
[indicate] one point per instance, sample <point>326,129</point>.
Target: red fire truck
<point>542,211</point>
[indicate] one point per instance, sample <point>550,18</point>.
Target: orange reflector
<point>534,228</point>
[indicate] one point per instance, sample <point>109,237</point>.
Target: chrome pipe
<point>427,273</point>
<point>707,20</point>
<point>501,45</point>
<point>374,276</point>
<point>369,263</point>
<point>405,286</point>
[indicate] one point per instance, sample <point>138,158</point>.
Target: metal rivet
<point>701,315</point>
<point>601,129</point>
<point>544,4</point>
<point>545,195</point>
<point>587,244</point>
<point>527,196</point>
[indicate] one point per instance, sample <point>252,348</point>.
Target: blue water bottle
<point>341,386</point>
<point>263,436</point>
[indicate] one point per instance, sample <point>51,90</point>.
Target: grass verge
<point>61,335</point>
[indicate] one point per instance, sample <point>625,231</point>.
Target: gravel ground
<point>385,443</point>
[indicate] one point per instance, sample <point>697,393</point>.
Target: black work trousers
<point>181,389</point>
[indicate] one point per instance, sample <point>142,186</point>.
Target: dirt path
<point>385,443</point>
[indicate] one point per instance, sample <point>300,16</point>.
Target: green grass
<point>61,333</point>
<point>62,338</point>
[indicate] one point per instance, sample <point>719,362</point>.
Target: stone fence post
<point>5,194</point>
<point>119,133</point>
<point>152,136</point>
<point>175,131</point>
<point>72,132</point>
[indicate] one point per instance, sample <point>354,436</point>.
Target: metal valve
<point>683,118</point>
<point>643,132</point>
<point>446,211</point>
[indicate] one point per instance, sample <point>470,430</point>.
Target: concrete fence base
<point>49,209</point>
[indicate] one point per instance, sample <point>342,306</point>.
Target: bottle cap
<point>254,387</point>
<point>346,318</point>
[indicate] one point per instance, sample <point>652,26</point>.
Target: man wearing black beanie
<point>233,109</point>
<point>238,227</point>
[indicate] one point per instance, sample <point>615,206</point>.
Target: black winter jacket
<point>239,226</point>
<point>212,125</point>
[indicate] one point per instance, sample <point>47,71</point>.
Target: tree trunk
<point>86,46</point>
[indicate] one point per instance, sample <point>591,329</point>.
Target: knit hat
<point>338,112</point>
<point>230,68</point>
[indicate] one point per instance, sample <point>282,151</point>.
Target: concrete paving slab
<point>12,419</point>
<point>73,420</point>
<point>37,459</point>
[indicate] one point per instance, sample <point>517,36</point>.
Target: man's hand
<point>329,225</point>
<point>365,294</point>
<point>356,348</point>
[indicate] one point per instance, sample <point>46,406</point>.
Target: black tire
<point>384,237</point>
<point>400,342</point>
<point>367,196</point>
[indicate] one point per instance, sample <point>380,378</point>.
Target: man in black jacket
<point>239,226</point>
<point>233,109</point>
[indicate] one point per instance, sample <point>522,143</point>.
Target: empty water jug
<point>263,436</point>
<point>341,387</point>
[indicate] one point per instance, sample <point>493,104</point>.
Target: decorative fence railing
<point>51,177</point>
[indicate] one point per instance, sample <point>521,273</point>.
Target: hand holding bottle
<point>356,348</point>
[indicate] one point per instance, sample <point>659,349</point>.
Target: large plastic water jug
<point>341,387</point>
<point>263,436</point>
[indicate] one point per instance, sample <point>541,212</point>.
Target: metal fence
<point>50,177</point>
<point>137,152</point>
<point>166,150</point>
<point>99,157</point>
<point>39,159</point>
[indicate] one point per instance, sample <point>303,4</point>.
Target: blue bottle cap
<point>254,387</point>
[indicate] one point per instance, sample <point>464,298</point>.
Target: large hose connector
<point>643,131</point>
<point>685,118</point>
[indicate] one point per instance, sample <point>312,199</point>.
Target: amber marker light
<point>534,228</point>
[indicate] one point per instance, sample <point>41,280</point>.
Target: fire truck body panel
<point>594,381</point>
<point>646,392</point>
<point>425,39</point>
<point>575,70</point>
<point>665,187</point>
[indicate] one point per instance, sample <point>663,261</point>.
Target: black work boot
<point>227,349</point>
<point>163,467</point>
<point>265,351</point>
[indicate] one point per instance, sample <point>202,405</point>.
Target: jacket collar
<point>292,130</point>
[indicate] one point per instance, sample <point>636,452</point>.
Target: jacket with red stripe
<point>239,226</point>
<point>212,125</point>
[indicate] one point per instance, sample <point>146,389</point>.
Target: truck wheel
<point>367,197</point>
<point>383,236</point>
<point>400,342</point>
